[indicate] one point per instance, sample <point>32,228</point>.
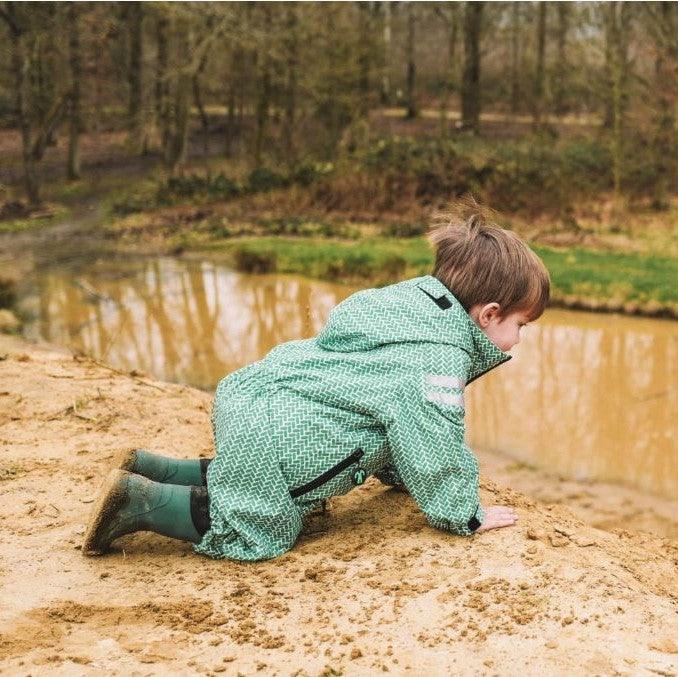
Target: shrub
<point>299,226</point>
<point>587,165</point>
<point>263,179</point>
<point>7,293</point>
<point>251,261</point>
<point>195,185</point>
<point>131,204</point>
<point>404,230</point>
<point>310,172</point>
<point>364,265</point>
<point>434,167</point>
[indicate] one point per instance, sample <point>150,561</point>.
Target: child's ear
<point>487,313</point>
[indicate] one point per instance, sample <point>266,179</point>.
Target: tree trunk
<point>292,62</point>
<point>470,94</point>
<point>233,90</point>
<point>235,85</point>
<point>619,50</point>
<point>75,116</point>
<point>364,57</point>
<point>451,75</point>
<point>19,66</point>
<point>515,57</point>
<point>412,110</point>
<point>135,16</point>
<point>666,63</point>
<point>386,72</point>
<point>179,109</point>
<point>44,63</point>
<point>561,70</point>
<point>197,98</point>
<point>264,97</point>
<point>538,93</point>
<point>616,21</point>
<point>161,82</point>
<point>619,57</point>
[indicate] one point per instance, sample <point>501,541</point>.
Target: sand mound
<point>368,587</point>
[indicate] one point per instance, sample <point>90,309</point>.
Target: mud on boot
<point>165,469</point>
<point>128,503</point>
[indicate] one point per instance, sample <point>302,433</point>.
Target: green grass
<point>580,277</point>
<point>628,277</point>
<point>29,223</point>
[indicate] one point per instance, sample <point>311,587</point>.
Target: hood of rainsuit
<point>410,312</point>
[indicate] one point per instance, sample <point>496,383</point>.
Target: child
<point>379,391</point>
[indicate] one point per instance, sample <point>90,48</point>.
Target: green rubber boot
<point>164,469</point>
<point>128,503</point>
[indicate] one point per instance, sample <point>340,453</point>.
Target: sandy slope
<point>368,588</point>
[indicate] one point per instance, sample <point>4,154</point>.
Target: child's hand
<point>496,517</point>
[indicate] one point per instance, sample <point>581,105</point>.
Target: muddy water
<point>588,396</point>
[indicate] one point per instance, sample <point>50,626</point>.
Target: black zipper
<point>328,474</point>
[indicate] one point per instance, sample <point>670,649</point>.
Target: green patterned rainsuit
<point>378,391</point>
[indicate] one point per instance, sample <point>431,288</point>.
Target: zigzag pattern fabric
<point>378,392</point>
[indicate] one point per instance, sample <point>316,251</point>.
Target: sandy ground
<point>369,587</point>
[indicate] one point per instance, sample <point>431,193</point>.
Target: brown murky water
<point>588,396</point>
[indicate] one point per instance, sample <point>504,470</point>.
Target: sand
<point>368,588</point>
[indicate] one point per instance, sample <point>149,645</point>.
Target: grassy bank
<point>581,278</point>
<point>35,220</point>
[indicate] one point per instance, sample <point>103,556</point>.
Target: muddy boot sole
<point>125,460</point>
<point>112,496</point>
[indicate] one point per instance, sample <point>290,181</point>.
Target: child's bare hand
<point>498,516</point>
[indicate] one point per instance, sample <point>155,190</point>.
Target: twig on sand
<point>123,373</point>
<point>150,385</point>
<point>71,409</point>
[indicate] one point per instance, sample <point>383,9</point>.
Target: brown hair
<point>479,262</point>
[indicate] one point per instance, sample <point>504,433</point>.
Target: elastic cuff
<point>200,509</point>
<point>476,520</point>
<point>204,464</point>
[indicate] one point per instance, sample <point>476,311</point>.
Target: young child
<point>379,391</point>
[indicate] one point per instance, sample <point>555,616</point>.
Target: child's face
<point>502,330</point>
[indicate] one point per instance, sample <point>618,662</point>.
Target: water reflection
<point>184,321</point>
<point>590,396</point>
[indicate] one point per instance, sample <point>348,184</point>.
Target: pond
<point>589,396</point>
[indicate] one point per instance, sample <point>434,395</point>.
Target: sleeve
<point>389,475</point>
<point>426,437</point>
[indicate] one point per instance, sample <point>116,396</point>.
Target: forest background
<point>321,137</point>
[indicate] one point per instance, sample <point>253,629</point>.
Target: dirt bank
<point>369,587</point>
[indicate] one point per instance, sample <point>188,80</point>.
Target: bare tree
<point>134,13</point>
<point>291,47</point>
<point>449,12</point>
<point>386,70</point>
<point>162,79</point>
<point>412,109</point>
<point>538,88</point>
<point>619,22</point>
<point>264,83</point>
<point>470,93</point>
<point>19,66</point>
<point>75,113</point>
<point>516,43</point>
<point>662,21</point>
<point>562,67</point>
